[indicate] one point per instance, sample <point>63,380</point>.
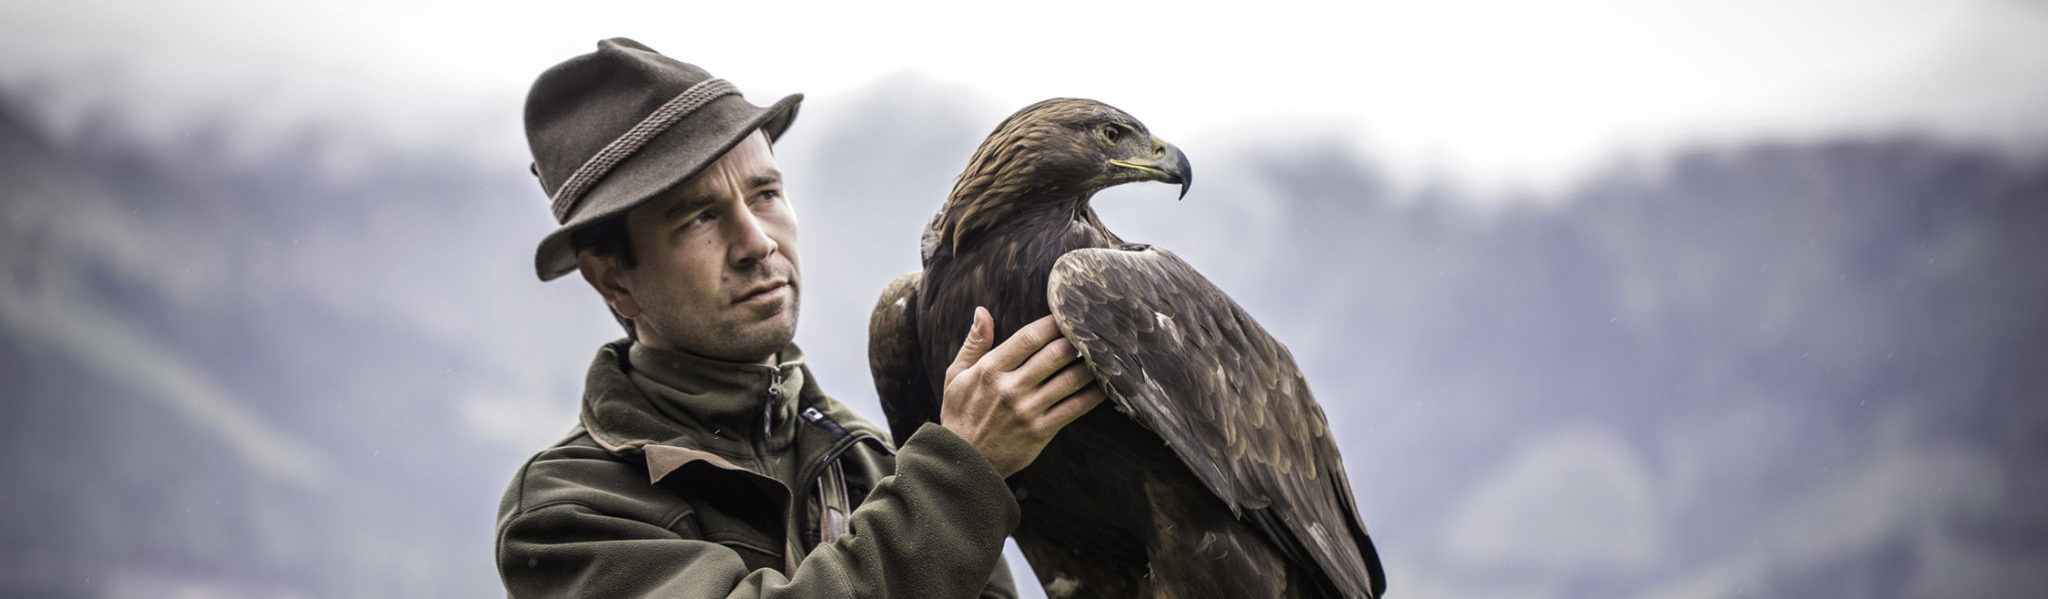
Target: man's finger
<point>1075,406</point>
<point>1022,345</point>
<point>980,335</point>
<point>1066,381</point>
<point>1047,362</point>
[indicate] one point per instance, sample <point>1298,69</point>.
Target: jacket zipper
<point>790,535</point>
<point>768,408</point>
<point>768,431</point>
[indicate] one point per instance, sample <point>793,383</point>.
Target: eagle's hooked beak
<point>1167,164</point>
<point>1176,166</point>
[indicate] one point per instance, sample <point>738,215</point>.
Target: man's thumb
<point>979,338</point>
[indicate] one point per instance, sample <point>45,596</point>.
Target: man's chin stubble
<point>766,337</point>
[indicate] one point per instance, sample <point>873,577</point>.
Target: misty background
<point>272,331</point>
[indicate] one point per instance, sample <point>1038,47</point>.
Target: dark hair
<point>608,238</point>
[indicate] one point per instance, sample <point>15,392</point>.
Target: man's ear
<point>609,279</point>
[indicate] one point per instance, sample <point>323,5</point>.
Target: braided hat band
<point>633,139</point>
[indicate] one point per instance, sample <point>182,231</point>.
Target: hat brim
<point>670,159</point>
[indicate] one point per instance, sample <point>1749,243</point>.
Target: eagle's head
<point>1051,157</point>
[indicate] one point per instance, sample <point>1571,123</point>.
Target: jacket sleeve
<point>934,529</point>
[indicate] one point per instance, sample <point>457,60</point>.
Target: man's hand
<point>1010,401</point>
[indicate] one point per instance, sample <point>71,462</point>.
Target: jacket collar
<point>675,408</point>
<point>637,395</point>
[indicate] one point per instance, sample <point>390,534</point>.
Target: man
<point>709,462</point>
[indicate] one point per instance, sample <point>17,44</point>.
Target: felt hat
<point>616,127</point>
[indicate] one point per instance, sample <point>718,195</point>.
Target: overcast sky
<point>1476,92</point>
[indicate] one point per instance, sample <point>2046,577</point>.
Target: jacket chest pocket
<point>749,523</point>
<point>756,542</point>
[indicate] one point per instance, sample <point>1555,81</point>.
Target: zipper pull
<point>768,407</point>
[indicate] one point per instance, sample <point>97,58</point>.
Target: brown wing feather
<point>895,358</point>
<point>1191,365</point>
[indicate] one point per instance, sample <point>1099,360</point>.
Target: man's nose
<point>750,240</point>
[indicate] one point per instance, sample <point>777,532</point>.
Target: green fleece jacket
<point>691,477</point>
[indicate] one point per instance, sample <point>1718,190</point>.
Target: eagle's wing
<point>1188,363</point>
<point>895,358</point>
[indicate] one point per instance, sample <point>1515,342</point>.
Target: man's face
<point>717,268</point>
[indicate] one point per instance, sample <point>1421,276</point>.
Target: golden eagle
<point>1216,475</point>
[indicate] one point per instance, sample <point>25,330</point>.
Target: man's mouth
<point>765,293</point>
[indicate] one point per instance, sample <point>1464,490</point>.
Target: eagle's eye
<point>1112,132</point>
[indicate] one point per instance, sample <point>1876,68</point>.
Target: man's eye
<point>700,218</point>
